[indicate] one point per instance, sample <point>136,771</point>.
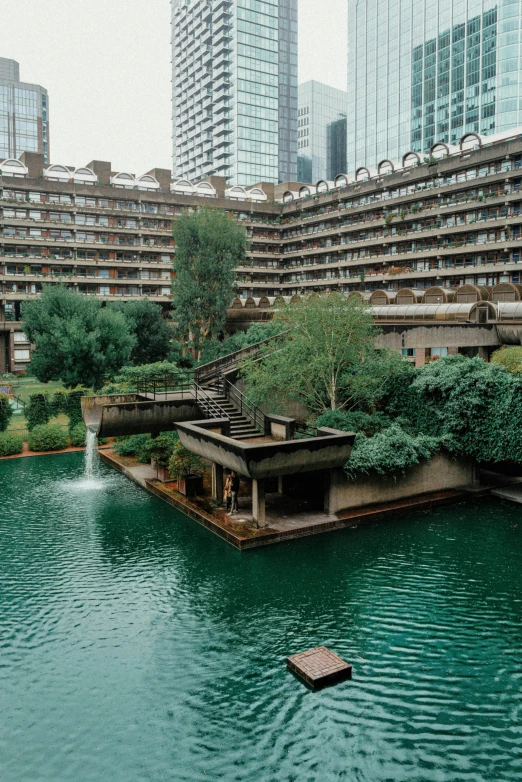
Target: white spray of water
<point>91,455</point>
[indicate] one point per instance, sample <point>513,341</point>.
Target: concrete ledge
<point>348,519</point>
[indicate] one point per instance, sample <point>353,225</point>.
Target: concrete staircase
<point>241,427</point>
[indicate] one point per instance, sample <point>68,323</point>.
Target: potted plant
<point>188,469</point>
<point>160,451</point>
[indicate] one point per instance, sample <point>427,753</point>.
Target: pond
<point>137,646</point>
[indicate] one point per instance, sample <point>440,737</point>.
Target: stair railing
<point>246,408</point>
<point>207,404</point>
<point>226,363</point>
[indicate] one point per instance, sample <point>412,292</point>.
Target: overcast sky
<point>106,64</point>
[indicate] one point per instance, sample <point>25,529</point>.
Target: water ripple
<point>136,646</point>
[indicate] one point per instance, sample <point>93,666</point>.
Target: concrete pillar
<point>483,353</point>
<point>280,484</point>
<point>453,351</point>
<point>217,483</point>
<point>258,501</point>
<point>420,356</point>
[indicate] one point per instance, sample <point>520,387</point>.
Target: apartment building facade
<point>234,89</point>
<point>24,114</point>
<point>451,222</point>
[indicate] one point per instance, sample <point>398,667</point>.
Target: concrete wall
<point>439,474</point>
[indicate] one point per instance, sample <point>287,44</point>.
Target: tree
<point>152,332</point>
<point>209,246</point>
<point>324,358</point>
<point>77,340</point>
<point>5,411</point>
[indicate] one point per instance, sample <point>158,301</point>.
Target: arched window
<point>182,186</point>
<point>341,180</point>
<point>288,196</point>
<point>256,194</point>
<point>13,167</point>
<point>147,182</point>
<point>123,180</point>
<point>205,189</point>
<point>84,176</point>
<point>57,173</point>
<point>322,186</point>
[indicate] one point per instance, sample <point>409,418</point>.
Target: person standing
<point>228,492</point>
<point>234,489</point>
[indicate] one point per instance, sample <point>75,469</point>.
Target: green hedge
<point>78,434</point>
<point>10,444</point>
<point>6,412</point>
<point>48,438</point>
<point>38,410</point>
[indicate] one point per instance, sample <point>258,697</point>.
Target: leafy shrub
<point>78,435</point>
<point>37,411</point>
<point>48,438</point>
<point>162,447</point>
<point>184,462</point>
<point>510,358</point>
<point>10,444</point>
<point>156,371</point>
<point>355,421</point>
<point>136,445</point>
<point>389,453</point>
<point>5,412</point>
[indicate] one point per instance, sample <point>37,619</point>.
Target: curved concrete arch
<point>410,156</point>
<point>342,180</point>
<point>467,136</point>
<point>359,171</point>
<point>385,166</point>
<point>439,147</point>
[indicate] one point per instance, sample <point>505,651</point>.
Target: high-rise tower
<point>24,114</point>
<point>421,71</point>
<point>234,89</point>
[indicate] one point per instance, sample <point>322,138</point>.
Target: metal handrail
<point>253,413</point>
<point>208,405</point>
<point>216,367</point>
<point>180,382</point>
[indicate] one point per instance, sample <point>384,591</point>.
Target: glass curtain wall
<point>23,115</point>
<point>421,72</point>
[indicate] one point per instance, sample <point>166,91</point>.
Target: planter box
<point>191,485</point>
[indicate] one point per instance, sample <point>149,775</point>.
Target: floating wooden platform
<point>319,667</point>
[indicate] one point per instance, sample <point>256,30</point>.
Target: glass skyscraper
<point>421,71</point>
<point>24,114</point>
<point>235,89</point>
<point>319,104</point>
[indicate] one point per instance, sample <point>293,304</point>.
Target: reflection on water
<point>137,646</point>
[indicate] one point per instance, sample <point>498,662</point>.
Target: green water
<point>134,645</point>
